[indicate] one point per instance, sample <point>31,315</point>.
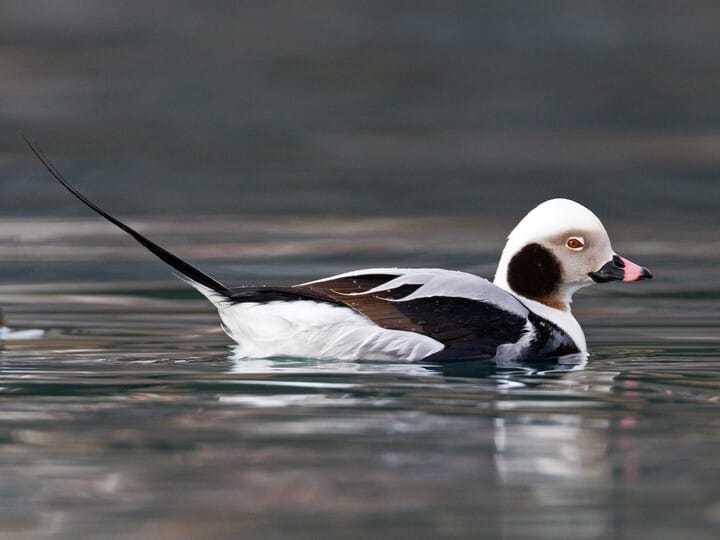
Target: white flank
<point>310,329</point>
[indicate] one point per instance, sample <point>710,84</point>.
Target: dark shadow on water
<point>507,367</point>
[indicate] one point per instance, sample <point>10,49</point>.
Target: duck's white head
<point>557,248</point>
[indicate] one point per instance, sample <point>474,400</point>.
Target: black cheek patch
<point>534,272</point>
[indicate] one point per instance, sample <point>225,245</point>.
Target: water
<point>130,417</point>
<point>272,144</point>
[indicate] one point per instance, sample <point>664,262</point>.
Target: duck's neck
<point>556,301</point>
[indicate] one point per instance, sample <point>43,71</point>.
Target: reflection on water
<point>130,417</point>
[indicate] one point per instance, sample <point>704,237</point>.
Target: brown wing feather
<point>375,306</point>
<point>349,284</point>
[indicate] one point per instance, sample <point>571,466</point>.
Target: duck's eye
<point>575,243</point>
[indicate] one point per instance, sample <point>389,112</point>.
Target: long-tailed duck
<point>413,314</point>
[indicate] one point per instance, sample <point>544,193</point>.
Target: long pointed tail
<point>194,275</point>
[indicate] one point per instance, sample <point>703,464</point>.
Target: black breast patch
<point>550,341</point>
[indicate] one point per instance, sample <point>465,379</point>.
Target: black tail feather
<point>177,263</point>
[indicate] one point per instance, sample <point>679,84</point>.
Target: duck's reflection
<point>498,368</point>
<point>558,447</point>
<point>558,466</point>
<point>240,364</point>
<point>478,369</point>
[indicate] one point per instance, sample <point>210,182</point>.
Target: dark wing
<point>464,312</point>
<point>370,294</point>
<point>346,291</point>
<point>465,323</point>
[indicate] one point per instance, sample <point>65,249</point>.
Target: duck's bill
<point>620,269</point>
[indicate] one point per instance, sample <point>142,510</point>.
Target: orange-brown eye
<point>575,243</point>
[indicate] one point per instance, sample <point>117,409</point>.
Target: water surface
<point>131,418</point>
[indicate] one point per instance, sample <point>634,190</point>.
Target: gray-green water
<point>276,142</point>
<point>130,418</point>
